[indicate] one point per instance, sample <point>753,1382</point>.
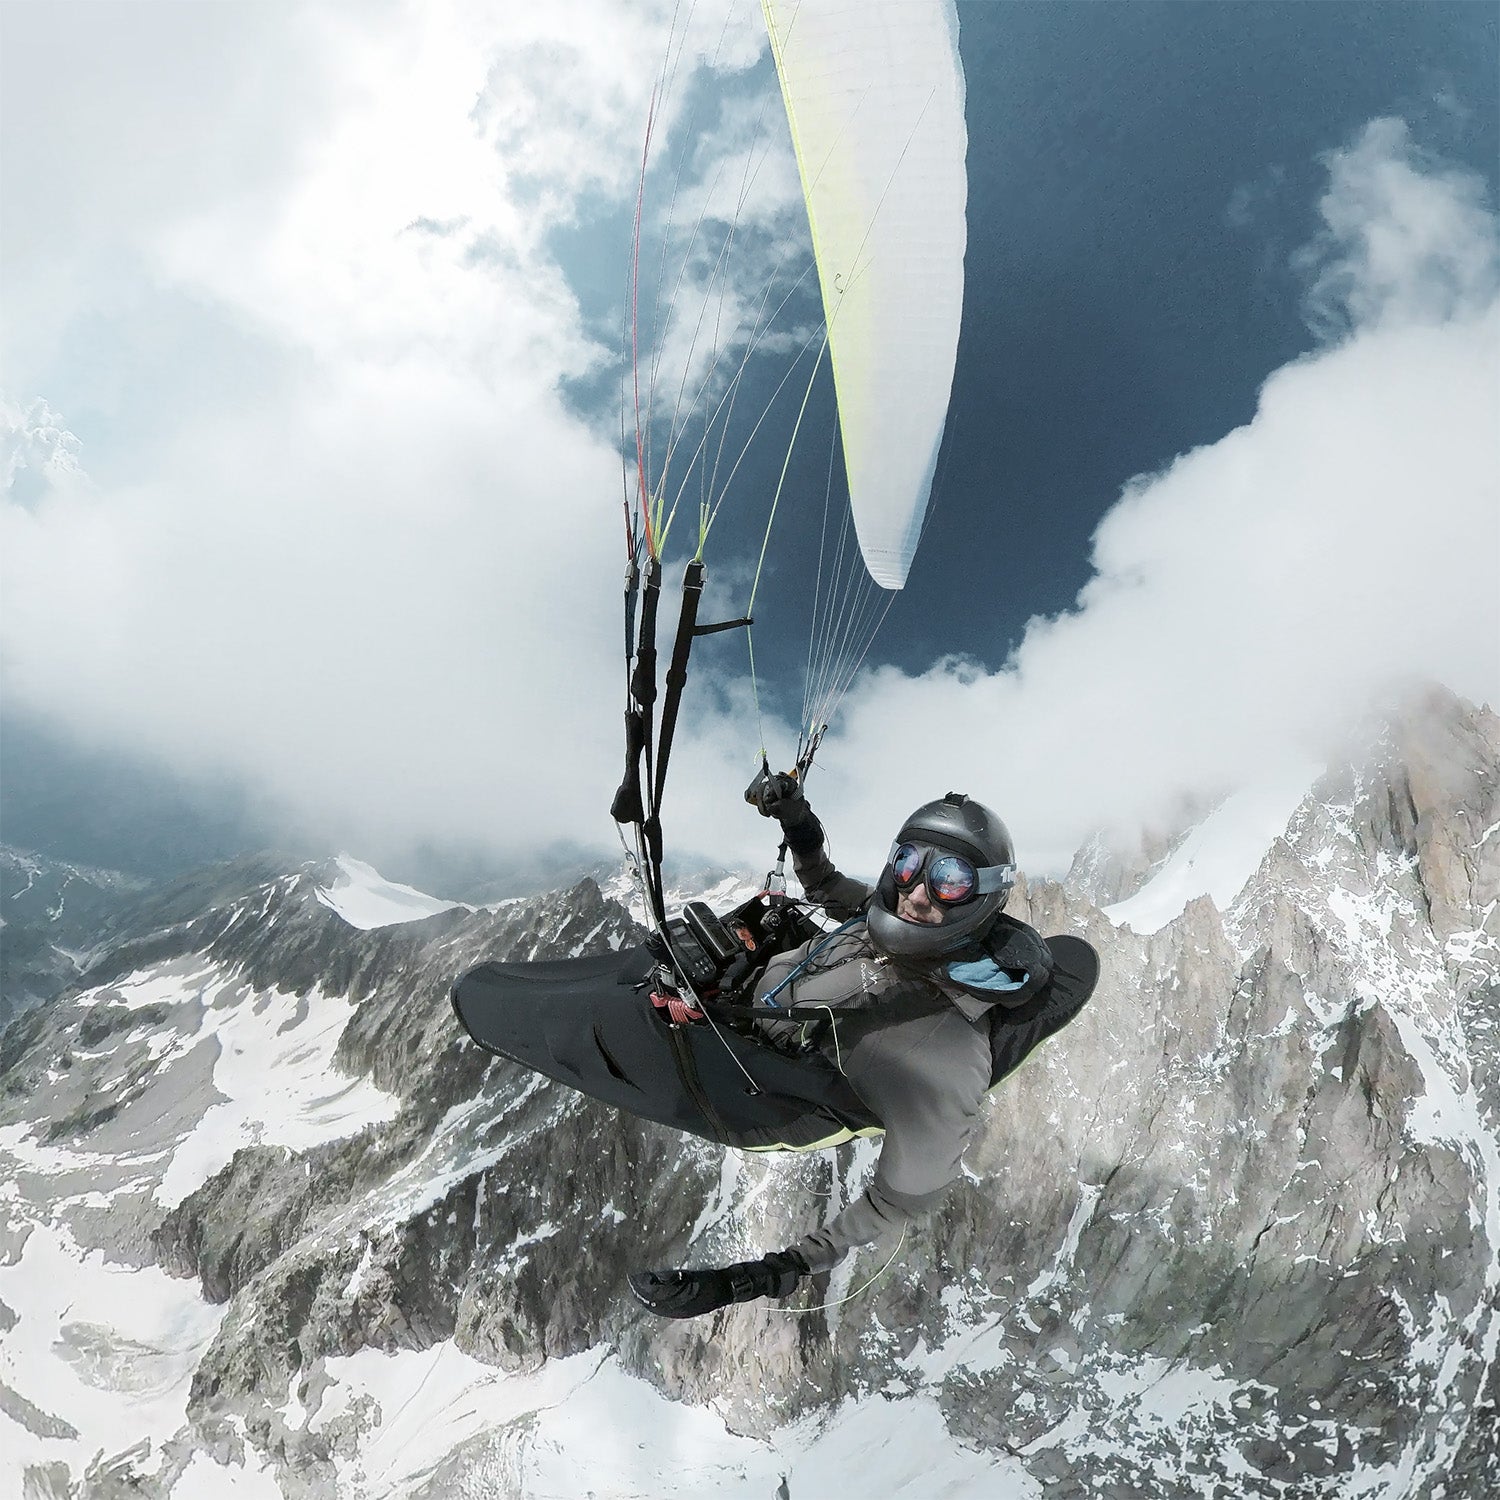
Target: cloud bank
<point>1257,597</point>
<point>294,494</point>
<point>332,527</point>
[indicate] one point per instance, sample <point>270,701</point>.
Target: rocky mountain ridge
<point>53,913</point>
<point>1236,1230</point>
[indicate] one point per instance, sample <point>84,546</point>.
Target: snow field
<point>582,1427</point>
<point>1220,855</point>
<point>276,1076</point>
<point>366,899</point>
<point>109,1350</point>
<point>101,1354</point>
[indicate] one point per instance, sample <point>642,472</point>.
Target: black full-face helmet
<point>964,854</point>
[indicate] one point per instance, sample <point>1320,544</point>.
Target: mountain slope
<point>1237,1229</point>
<point>53,914</point>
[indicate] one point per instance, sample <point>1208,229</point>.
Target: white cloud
<point>375,568</point>
<point>287,272</point>
<point>1405,239</point>
<point>1259,595</point>
<point>737,267</point>
<point>38,455</point>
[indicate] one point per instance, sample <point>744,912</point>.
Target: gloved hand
<point>778,794</point>
<point>689,1294</point>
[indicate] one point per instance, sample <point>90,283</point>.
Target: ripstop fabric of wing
<point>874,95</point>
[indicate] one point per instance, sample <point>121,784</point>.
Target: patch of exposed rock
<point>1239,1223</point>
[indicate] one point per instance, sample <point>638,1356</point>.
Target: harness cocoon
<point>589,1023</point>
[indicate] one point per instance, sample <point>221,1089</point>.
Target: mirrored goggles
<point>951,879</point>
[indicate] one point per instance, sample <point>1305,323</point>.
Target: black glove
<point>689,1294</point>
<point>778,794</point>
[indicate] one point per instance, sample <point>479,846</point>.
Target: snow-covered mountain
<point>273,1228</point>
<point>52,913</point>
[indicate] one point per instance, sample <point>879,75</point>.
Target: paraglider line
<point>812,635</point>
<point>723,489</point>
<point>802,1312</point>
<point>760,727</point>
<point>781,482</point>
<point>635,328</point>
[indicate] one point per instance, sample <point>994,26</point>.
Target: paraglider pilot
<point>909,982</point>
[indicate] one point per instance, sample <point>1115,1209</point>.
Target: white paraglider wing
<point>874,94</point>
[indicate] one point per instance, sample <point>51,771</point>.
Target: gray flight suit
<point>917,1052</point>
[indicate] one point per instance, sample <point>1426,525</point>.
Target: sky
<point>309,399</point>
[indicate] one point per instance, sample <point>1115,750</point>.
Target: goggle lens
<point>906,865</point>
<point>951,879</point>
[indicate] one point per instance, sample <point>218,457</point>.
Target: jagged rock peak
<point>1236,1228</point>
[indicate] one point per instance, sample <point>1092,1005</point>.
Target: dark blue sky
<point>1114,315</point>
<point>1139,176</point>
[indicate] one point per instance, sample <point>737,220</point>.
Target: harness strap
<point>722,625</point>
<point>682,1012</point>
<point>676,679</point>
<point>630,801</point>
<point>627,806</point>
